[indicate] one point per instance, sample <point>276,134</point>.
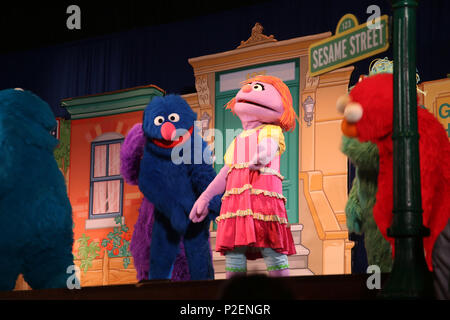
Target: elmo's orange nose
<point>349,129</point>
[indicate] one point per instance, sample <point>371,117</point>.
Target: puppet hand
<point>259,161</point>
<point>267,149</point>
<point>179,219</point>
<point>255,163</point>
<point>179,224</point>
<point>199,210</point>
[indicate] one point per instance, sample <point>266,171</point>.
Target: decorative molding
<point>119,127</point>
<point>336,77</point>
<point>201,84</point>
<point>257,37</point>
<point>308,110</point>
<point>111,103</point>
<point>253,55</point>
<point>107,136</point>
<point>102,223</point>
<point>205,120</point>
<point>311,82</point>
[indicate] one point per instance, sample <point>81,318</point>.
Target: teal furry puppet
<point>36,234</point>
<point>361,200</point>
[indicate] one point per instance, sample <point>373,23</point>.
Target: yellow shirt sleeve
<point>274,132</point>
<point>229,154</point>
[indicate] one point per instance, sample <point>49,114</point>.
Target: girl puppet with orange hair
<point>253,221</point>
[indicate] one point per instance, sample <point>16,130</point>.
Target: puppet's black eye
<point>53,132</point>
<point>258,87</point>
<point>158,120</point>
<point>174,117</point>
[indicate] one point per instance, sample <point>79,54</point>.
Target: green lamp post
<point>410,278</point>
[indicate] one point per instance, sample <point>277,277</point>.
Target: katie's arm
<point>217,186</point>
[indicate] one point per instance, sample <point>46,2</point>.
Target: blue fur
<point>173,189</point>
<point>36,234</point>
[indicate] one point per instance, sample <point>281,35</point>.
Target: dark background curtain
<point>158,39</point>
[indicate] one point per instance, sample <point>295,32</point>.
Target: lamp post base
<point>410,277</point>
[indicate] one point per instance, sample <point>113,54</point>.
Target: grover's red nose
<point>168,131</point>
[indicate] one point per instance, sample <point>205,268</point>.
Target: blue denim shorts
<point>236,261</point>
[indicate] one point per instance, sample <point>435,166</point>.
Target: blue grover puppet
<point>175,169</point>
<point>36,234</point>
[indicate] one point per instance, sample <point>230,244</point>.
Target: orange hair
<point>287,120</point>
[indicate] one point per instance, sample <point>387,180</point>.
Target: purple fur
<point>130,156</point>
<point>140,242</point>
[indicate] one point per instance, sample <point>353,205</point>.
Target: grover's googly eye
<point>158,120</point>
<point>258,87</point>
<point>174,117</point>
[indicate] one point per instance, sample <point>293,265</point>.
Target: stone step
<point>297,261</point>
<point>292,272</point>
<point>300,251</point>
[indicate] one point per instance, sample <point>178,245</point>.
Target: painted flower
<point>110,246</point>
<point>127,236</point>
<point>116,252</point>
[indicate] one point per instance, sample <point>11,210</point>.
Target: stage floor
<point>341,287</point>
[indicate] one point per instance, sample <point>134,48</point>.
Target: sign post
<point>352,42</point>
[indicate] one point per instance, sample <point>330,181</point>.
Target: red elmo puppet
<point>368,115</point>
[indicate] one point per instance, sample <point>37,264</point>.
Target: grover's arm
<point>131,154</point>
<point>169,196</point>
<point>203,173</point>
<point>214,206</point>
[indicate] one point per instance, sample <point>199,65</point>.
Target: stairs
<point>298,263</point>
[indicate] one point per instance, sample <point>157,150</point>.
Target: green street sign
<point>352,42</point>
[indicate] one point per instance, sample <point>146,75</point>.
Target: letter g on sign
<point>444,110</point>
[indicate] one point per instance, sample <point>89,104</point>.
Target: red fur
<point>375,94</point>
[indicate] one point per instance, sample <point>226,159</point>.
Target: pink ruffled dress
<point>253,212</point>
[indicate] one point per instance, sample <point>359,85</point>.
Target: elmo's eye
<point>258,87</point>
<point>158,120</point>
<point>174,117</point>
